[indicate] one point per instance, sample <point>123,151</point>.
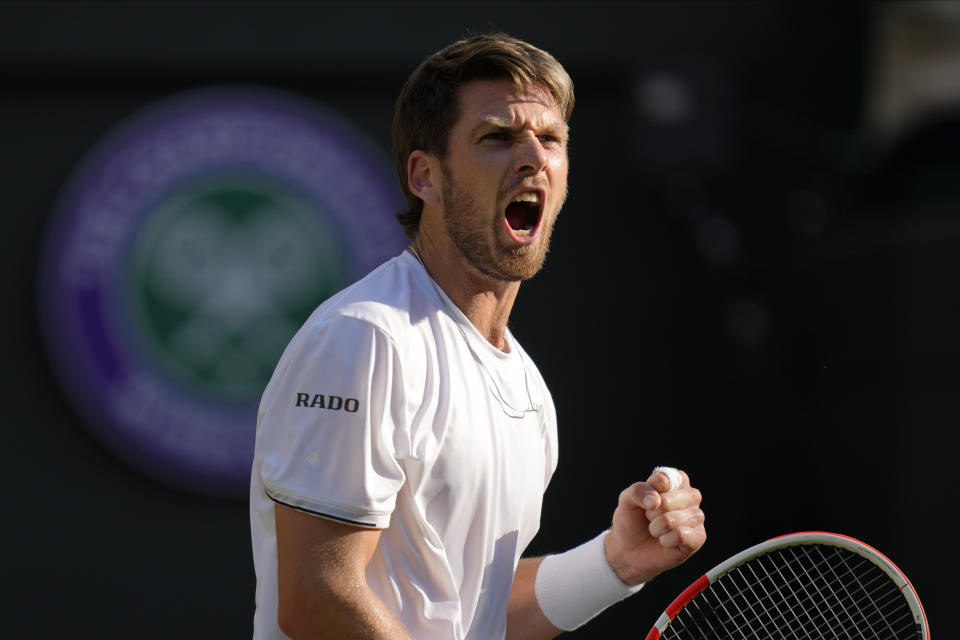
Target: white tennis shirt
<point>389,410</point>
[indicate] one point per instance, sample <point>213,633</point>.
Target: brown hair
<point>427,108</point>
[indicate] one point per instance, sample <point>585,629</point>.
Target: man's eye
<point>496,135</point>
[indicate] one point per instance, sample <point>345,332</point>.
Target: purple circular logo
<point>186,250</point>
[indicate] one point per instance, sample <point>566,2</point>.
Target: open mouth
<point>523,213</point>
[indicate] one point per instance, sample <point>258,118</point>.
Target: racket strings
<point>856,600</point>
<point>822,601</point>
<point>799,593</point>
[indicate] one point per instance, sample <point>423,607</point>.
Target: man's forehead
<point>503,102</point>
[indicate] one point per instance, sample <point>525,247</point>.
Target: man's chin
<point>516,265</point>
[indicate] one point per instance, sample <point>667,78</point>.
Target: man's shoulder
<point>389,298</point>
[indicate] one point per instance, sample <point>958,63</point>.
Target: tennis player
<point>406,439</point>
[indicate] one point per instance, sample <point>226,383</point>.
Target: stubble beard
<point>476,241</point>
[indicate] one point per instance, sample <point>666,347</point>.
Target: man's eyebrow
<point>502,124</point>
<point>495,122</point>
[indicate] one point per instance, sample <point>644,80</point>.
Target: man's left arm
<point>654,529</point>
<point>525,618</point>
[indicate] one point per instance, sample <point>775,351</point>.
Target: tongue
<point>520,217</point>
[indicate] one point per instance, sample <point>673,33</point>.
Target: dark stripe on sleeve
<point>365,525</point>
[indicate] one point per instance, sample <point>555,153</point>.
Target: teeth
<point>528,196</point>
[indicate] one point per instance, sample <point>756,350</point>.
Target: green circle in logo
<point>221,276</point>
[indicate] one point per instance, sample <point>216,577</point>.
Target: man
<point>406,439</point>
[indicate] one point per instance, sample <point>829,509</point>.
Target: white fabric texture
<point>573,587</point>
<point>380,415</point>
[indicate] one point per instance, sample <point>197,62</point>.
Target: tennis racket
<point>801,586</point>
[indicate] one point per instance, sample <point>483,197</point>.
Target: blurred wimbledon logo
<point>185,251</point>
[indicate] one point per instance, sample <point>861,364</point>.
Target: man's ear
<point>423,176</point>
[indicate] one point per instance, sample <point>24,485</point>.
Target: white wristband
<point>574,586</point>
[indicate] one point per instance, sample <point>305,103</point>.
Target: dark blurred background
<point>755,278</point>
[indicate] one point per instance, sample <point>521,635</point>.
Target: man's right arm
<point>322,581</point>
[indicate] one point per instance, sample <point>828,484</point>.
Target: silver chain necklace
<point>508,409</point>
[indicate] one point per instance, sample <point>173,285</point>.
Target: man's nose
<point>531,156</point>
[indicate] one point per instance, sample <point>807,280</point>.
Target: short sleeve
<point>328,441</point>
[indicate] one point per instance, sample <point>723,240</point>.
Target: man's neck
<point>486,302</point>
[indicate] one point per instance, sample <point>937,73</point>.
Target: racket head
<point>713,606</point>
